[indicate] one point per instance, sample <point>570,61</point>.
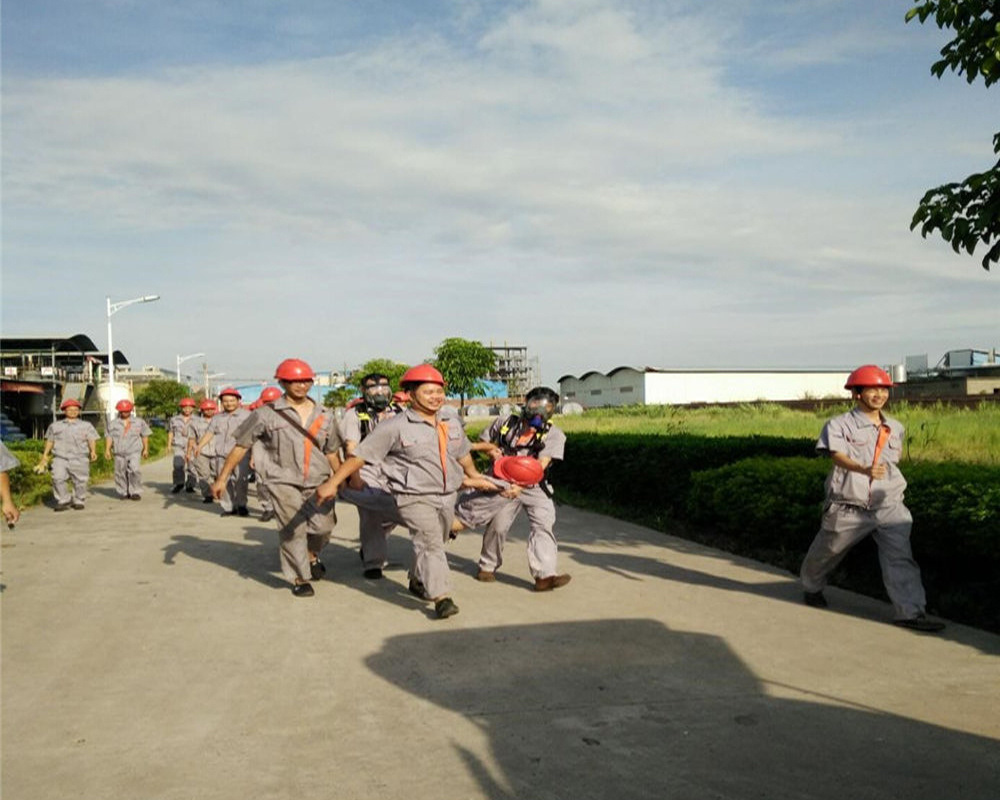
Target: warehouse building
<point>624,386</point>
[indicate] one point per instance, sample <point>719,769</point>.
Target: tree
<point>340,396</point>
<point>160,398</point>
<point>967,213</point>
<point>393,370</point>
<point>464,364</point>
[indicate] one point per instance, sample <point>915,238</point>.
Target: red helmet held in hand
<point>520,470</point>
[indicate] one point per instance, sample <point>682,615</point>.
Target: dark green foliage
<point>967,213</point>
<point>653,473</point>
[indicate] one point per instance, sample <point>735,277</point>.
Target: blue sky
<point>663,183</point>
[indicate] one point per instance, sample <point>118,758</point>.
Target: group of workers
<point>405,460</point>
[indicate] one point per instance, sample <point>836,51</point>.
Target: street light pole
<point>114,308</point>
<point>181,360</point>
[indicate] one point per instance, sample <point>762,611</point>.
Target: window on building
<point>626,389</point>
<point>595,391</point>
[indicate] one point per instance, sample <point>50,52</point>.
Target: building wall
<point>682,387</point>
<point>627,386</point>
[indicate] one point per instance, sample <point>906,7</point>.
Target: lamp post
<point>181,360</point>
<point>114,308</point>
<point>208,392</point>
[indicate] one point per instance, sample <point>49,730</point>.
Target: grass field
<point>933,433</point>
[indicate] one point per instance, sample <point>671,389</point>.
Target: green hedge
<point>652,474</point>
<point>762,498</point>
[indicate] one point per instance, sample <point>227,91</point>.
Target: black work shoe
<point>417,589</point>
<point>373,574</point>
<point>485,576</point>
<point>445,607</point>
<point>78,506</point>
<point>921,623</point>
<point>62,507</point>
<point>243,511</point>
<point>136,497</point>
<point>177,488</point>
<point>815,599</point>
<point>208,499</point>
<point>303,590</point>
<point>189,490</point>
<point>267,516</point>
<point>317,569</point>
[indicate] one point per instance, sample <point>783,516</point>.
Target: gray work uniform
<point>406,448</point>
<point>292,469</point>
<point>258,454</point>
<point>377,512</point>
<point>70,458</point>
<point>203,463</point>
<point>476,509</point>
<point>126,437</point>
<point>223,429</point>
<point>180,428</point>
<point>8,460</point>
<point>856,506</point>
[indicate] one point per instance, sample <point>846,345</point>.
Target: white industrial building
<point>624,386</point>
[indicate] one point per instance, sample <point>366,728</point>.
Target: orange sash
<point>307,446</point>
<point>442,430</point>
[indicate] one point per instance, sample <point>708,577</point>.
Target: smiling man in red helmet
<point>864,495</point>
<point>300,446</point>
<point>72,445</point>
<point>425,458</point>
<point>202,460</point>
<point>178,430</point>
<point>221,429</point>
<point>129,437</point>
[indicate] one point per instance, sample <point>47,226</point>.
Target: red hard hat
<point>270,394</point>
<point>357,401</point>
<point>186,401</point>
<point>124,406</point>
<point>401,397</point>
<point>208,405</point>
<point>522,470</point>
<point>294,369</point>
<point>232,391</point>
<point>422,373</point>
<point>70,402</point>
<point>868,375</point>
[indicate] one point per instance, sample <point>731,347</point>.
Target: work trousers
<point>428,519</point>
<point>843,527</point>
<point>263,495</point>
<point>65,470</point>
<point>204,469</point>
<point>235,495</point>
<point>183,473</point>
<point>377,515</point>
<point>497,513</point>
<point>128,474</point>
<point>303,528</point>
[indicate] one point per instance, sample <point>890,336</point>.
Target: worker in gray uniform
<point>864,495</point>
<point>202,461</point>
<point>178,433</point>
<point>302,445</point>
<point>128,436</point>
<point>368,489</point>
<point>258,454</point>
<point>425,457</point>
<point>221,430</point>
<point>528,433</point>
<point>70,447</point>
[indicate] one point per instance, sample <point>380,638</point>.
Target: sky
<point>664,183</point>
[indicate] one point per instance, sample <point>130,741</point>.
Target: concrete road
<point>151,650</point>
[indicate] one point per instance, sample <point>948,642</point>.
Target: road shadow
<point>257,559</point>
<point>627,708</point>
